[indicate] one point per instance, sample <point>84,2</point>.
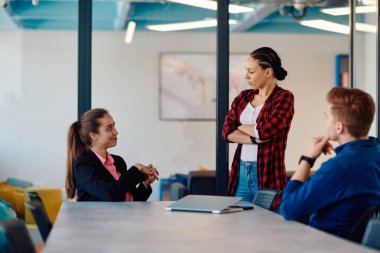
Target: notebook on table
<point>205,203</point>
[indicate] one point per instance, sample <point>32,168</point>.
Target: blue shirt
<point>340,191</point>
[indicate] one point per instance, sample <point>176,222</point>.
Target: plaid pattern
<point>273,123</point>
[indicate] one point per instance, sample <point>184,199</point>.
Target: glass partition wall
<point>365,69</point>
<point>309,47</point>
<point>170,72</point>
<point>154,69</point>
<point>159,79</point>
<point>38,88</point>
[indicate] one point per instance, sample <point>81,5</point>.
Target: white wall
<point>365,64</point>
<point>126,82</point>
<point>38,73</point>
<point>10,98</point>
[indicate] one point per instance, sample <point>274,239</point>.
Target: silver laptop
<point>205,203</point>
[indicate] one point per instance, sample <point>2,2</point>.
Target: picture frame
<point>342,71</point>
<point>188,84</point>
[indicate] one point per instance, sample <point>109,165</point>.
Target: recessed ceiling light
<point>186,25</point>
<point>338,28</point>
<point>326,25</point>
<point>130,31</point>
<point>212,5</point>
<point>369,2</point>
<point>365,27</point>
<point>345,10</point>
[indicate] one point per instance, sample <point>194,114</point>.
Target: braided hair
<point>268,58</point>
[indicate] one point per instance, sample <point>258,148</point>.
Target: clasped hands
<point>150,172</point>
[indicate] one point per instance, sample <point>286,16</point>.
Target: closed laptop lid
<point>204,203</point>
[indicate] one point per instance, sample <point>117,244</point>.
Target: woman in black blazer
<point>95,175</point>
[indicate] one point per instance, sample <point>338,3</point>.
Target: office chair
<point>33,196</point>
<point>19,240</point>
<point>51,199</point>
<point>42,220</point>
<point>264,198</point>
<point>357,232</point>
<point>178,191</point>
<point>371,236</point>
<point>202,182</point>
<point>196,182</point>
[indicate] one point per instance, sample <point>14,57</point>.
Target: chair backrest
<point>51,198</point>
<point>178,191</point>
<point>371,236</point>
<point>19,240</point>
<point>42,220</point>
<point>33,196</point>
<point>265,198</point>
<point>202,182</point>
<point>357,232</point>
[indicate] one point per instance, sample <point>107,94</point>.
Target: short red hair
<point>353,107</point>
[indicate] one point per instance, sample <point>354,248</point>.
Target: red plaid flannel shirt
<point>273,123</point>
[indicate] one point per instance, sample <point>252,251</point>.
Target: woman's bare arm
<point>238,136</point>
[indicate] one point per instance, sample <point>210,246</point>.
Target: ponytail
<point>75,147</point>
<point>78,141</point>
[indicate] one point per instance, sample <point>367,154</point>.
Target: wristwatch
<point>309,160</point>
<point>253,140</point>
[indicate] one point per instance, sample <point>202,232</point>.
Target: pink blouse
<point>110,166</point>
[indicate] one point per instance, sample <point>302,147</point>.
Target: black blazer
<point>95,183</point>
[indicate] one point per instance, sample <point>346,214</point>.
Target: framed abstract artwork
<point>188,84</point>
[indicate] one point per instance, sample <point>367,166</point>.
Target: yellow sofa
<point>51,199</point>
<point>15,196</point>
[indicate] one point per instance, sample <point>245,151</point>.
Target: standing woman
<point>95,175</point>
<point>259,121</point>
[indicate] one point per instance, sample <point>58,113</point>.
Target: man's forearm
<point>303,171</point>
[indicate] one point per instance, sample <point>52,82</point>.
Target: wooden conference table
<point>147,227</point>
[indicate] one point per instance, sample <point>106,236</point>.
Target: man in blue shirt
<point>347,184</point>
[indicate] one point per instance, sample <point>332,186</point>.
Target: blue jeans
<point>248,183</point>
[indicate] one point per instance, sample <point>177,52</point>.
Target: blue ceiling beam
<point>262,11</point>
<point>170,12</point>
<point>62,15</point>
<point>47,10</point>
<point>6,21</point>
<point>114,15</point>
<point>123,10</point>
<point>62,10</point>
<point>40,24</point>
<point>312,13</point>
<point>276,23</point>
